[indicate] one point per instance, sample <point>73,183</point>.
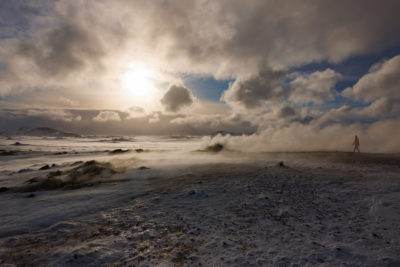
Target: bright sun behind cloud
<point>139,81</point>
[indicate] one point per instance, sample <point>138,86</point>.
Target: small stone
<point>280,164</point>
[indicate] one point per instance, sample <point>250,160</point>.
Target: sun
<point>139,81</point>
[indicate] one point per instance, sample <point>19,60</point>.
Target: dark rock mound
<point>119,151</point>
<point>49,183</point>
<point>89,170</point>
<point>281,164</point>
<point>45,167</point>
<point>8,153</point>
<point>141,150</point>
<point>18,144</point>
<point>143,168</point>
<point>121,139</point>
<point>214,148</point>
<point>84,175</point>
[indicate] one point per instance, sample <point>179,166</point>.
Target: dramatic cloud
<point>316,87</point>
<point>222,38</point>
<point>176,98</point>
<point>236,38</point>
<point>382,107</point>
<point>383,79</point>
<point>105,116</point>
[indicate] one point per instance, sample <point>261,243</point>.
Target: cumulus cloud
<point>256,90</point>
<point>383,79</point>
<point>176,98</point>
<point>316,87</point>
<point>382,107</point>
<point>105,116</point>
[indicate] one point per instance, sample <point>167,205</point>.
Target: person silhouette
<point>356,144</point>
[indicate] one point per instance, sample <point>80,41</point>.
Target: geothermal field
<point>186,201</point>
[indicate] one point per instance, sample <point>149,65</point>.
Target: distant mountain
<point>225,133</point>
<point>44,131</point>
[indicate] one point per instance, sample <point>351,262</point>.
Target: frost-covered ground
<point>162,203</point>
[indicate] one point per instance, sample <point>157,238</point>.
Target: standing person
<point>356,144</point>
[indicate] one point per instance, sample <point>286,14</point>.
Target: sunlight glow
<point>139,81</point>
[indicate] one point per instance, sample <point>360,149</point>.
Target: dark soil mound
<point>214,148</point>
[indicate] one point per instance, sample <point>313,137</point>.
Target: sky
<point>286,75</point>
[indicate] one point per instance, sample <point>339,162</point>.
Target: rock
<point>280,164</point>
<point>30,195</point>
<point>17,144</point>
<point>119,151</point>
<point>143,168</point>
<point>45,167</point>
<point>214,148</point>
<point>139,150</point>
<point>7,153</point>
<point>77,163</point>
<point>51,184</point>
